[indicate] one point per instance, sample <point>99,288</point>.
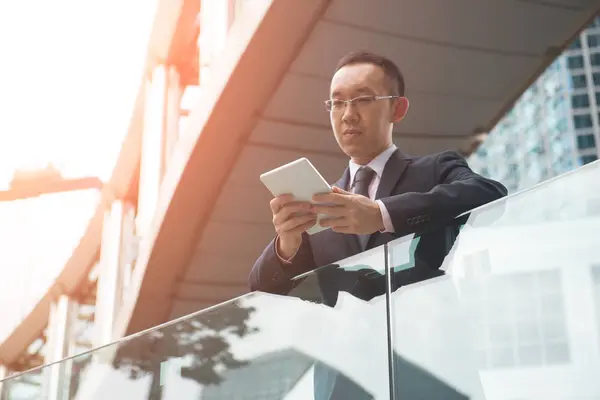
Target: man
<point>383,194</point>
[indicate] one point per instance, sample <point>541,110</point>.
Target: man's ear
<point>400,109</point>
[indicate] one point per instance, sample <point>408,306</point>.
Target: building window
<point>595,59</point>
<point>586,142</point>
<point>519,319</point>
<point>596,76</point>
<point>575,62</point>
<point>583,121</point>
<point>588,159</point>
<point>575,44</point>
<point>598,98</point>
<point>578,81</point>
<point>593,40</point>
<point>580,101</point>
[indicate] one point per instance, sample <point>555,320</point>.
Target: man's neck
<point>362,161</point>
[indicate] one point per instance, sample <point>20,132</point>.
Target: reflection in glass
<point>515,313</point>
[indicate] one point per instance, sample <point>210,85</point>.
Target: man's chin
<point>354,152</point>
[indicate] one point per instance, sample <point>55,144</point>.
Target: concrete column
<point>216,17</point>
<point>129,250</point>
<point>153,147</point>
<point>63,313</point>
<point>172,113</point>
<point>111,277</point>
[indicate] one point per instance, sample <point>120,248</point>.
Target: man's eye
<point>337,103</point>
<point>364,100</point>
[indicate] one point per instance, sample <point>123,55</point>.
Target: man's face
<point>363,129</point>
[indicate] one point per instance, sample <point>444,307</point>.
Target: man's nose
<point>350,113</point>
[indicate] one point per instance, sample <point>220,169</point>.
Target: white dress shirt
<point>377,165</point>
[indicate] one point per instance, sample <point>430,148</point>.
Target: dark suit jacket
<point>420,193</point>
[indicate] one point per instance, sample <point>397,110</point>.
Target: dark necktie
<point>362,180</point>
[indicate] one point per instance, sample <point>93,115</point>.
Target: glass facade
<point>499,303</point>
<point>554,126</point>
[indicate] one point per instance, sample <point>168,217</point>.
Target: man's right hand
<point>290,218</point>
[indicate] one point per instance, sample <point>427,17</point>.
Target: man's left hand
<point>348,213</point>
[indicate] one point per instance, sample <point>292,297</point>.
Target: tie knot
<point>364,174</point>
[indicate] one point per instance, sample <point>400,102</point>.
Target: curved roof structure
<point>464,62</point>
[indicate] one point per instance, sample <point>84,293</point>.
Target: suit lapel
<point>393,171</point>
<point>344,181</point>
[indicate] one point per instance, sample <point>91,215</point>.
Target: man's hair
<point>390,69</point>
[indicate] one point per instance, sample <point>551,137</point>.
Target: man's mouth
<point>352,131</point>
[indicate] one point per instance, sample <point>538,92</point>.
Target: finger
<point>332,198</point>
<point>288,211</point>
<point>333,222</point>
<point>278,202</point>
<point>343,229</point>
<point>341,225</point>
<point>331,211</point>
<point>338,190</point>
<point>304,227</point>
<point>294,225</point>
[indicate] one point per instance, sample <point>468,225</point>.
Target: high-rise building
<point>554,126</point>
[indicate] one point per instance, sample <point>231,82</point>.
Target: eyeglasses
<point>337,105</point>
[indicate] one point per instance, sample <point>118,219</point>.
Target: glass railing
<point>501,303</point>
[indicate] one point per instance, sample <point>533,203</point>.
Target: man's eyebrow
<point>364,89</point>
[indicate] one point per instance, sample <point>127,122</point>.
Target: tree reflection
<point>201,342</point>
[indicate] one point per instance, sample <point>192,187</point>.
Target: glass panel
<point>588,159</point>
<point>578,81</point>
<point>583,121</point>
<point>586,141</point>
<point>593,40</point>
<point>24,387</point>
<point>580,101</point>
<point>502,304</point>
<point>324,339</point>
<point>575,62</point>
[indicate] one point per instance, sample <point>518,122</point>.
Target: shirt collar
<point>377,164</point>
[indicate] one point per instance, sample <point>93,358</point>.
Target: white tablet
<point>300,179</point>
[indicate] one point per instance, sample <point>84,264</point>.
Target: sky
<point>70,71</point>
<point>70,74</point>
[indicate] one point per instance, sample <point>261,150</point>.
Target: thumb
<point>338,190</point>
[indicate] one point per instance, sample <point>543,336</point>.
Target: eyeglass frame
<point>329,103</point>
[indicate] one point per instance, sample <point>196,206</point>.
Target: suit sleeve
<point>269,274</point>
<point>458,190</point>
